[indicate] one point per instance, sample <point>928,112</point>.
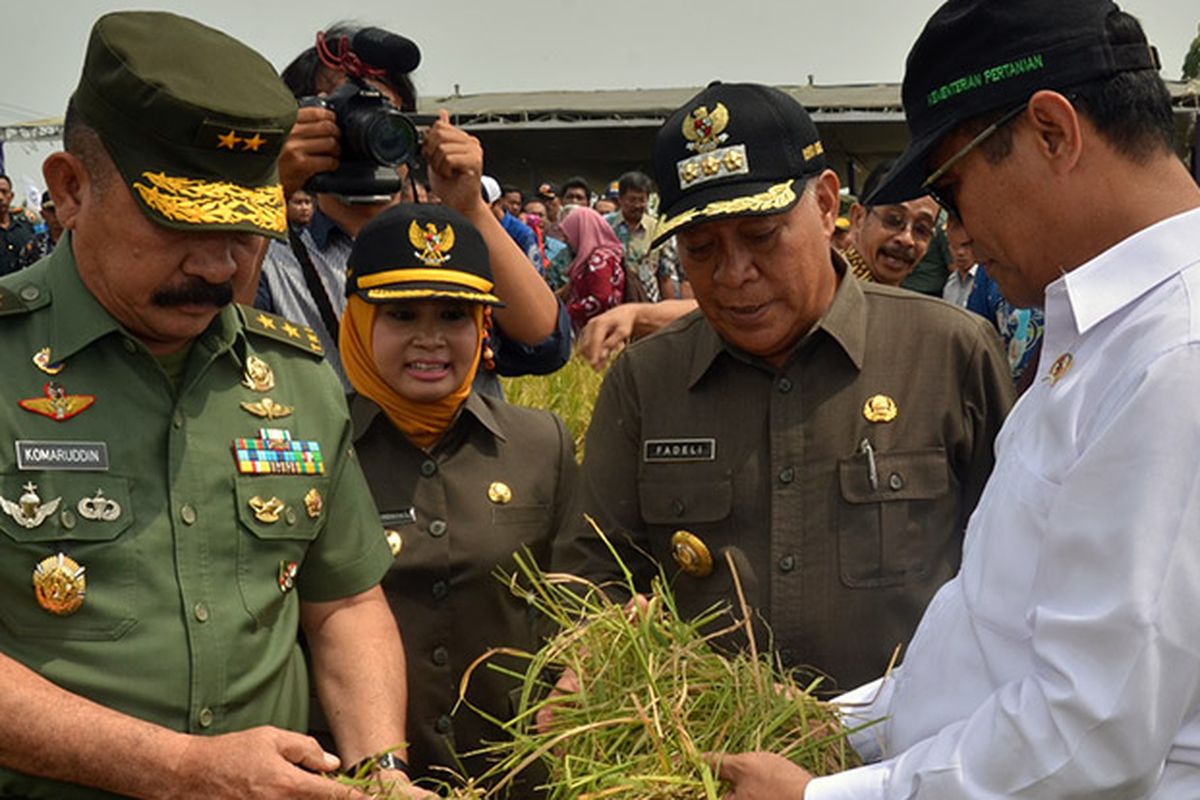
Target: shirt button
<point>428,467</point>
<point>205,717</point>
<point>896,482</point>
<point>130,345</point>
<point>437,527</point>
<point>787,475</point>
<point>787,563</point>
<point>188,515</point>
<point>289,516</point>
<point>68,519</point>
<point>177,420</point>
<point>440,656</point>
<point>678,507</point>
<point>30,293</point>
<point>440,590</point>
<point>201,612</point>
<point>787,657</point>
<point>784,385</point>
<point>443,725</point>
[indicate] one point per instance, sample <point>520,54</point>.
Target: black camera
<point>376,138</point>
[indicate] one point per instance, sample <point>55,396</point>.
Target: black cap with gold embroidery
<point>193,119</point>
<point>735,149</point>
<point>419,251</point>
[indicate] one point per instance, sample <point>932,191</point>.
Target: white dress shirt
<point>1064,659</point>
<point>959,285</point>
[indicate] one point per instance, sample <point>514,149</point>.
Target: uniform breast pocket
<point>91,593</point>
<point>523,526</point>
<point>702,507</point>
<point>893,518</point>
<point>280,516</point>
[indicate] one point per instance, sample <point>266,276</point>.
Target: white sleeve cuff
<point>867,705</point>
<point>863,783</point>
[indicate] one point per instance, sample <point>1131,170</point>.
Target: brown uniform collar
<point>363,412</point>
<point>845,321</point>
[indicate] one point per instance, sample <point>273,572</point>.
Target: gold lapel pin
<point>691,554</point>
<point>258,375</point>
<point>267,511</point>
<point>499,493</point>
<point>59,584</point>
<point>880,408</point>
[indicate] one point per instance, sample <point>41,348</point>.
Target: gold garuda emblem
<point>433,246</point>
<point>880,408</point>
<point>59,584</point>
<point>703,129</point>
<point>691,553</point>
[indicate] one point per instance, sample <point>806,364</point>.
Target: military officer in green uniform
<point>178,489</point>
<point>830,436</point>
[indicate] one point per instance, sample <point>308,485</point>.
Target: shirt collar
<point>78,319</point>
<point>845,321</point>
<point>363,412</point>
<point>322,228</point>
<point>1112,280</point>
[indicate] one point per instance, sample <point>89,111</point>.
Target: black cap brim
<point>905,180</point>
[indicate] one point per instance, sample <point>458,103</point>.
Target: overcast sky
<point>505,45</point>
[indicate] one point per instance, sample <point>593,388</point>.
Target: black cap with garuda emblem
<point>735,149</point>
<point>419,251</point>
<point>193,119</point>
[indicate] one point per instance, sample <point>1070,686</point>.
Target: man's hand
<point>260,762</point>
<point>761,776</point>
<point>311,148</point>
<point>606,333</point>
<point>455,161</point>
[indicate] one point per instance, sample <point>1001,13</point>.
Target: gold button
<point>201,612</point>
<point>499,493</point>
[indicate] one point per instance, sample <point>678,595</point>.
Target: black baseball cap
<point>420,251</point>
<point>735,149</point>
<point>976,56</point>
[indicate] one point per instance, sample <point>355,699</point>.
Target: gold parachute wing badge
<point>433,246</point>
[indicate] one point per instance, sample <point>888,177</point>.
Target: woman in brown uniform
<point>461,480</point>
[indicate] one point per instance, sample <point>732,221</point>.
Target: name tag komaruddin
<point>78,456</point>
<point>661,450</point>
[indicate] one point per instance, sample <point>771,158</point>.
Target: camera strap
<point>316,287</point>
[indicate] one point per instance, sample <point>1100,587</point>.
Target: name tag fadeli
<point>673,450</point>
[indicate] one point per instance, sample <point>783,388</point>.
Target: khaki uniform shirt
<point>841,527</point>
<point>453,538</point>
<point>188,620</point>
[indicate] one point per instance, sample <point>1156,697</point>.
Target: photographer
<point>304,279</point>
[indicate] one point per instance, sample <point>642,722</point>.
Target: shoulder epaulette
<point>281,330</point>
<point>29,297</point>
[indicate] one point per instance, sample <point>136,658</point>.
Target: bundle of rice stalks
<point>654,697</point>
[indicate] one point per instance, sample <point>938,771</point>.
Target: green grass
<point>570,393</point>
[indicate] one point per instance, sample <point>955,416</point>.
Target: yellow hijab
<point>423,423</point>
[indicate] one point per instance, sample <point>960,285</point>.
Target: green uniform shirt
<point>453,537</point>
<point>187,620</point>
<point>838,551</point>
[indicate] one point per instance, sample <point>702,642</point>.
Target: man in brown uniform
<point>831,436</point>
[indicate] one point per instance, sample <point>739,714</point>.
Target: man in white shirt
<point>1063,661</point>
<point>961,279</point>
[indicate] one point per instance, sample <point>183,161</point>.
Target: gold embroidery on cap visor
<point>777,198</point>
<point>380,286</point>
<point>197,202</point>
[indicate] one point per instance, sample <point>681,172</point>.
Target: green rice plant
<point>570,393</point>
<point>655,698</point>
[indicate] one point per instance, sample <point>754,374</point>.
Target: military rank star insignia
<point>57,404</point>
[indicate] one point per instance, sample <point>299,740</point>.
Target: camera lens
<point>389,137</point>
